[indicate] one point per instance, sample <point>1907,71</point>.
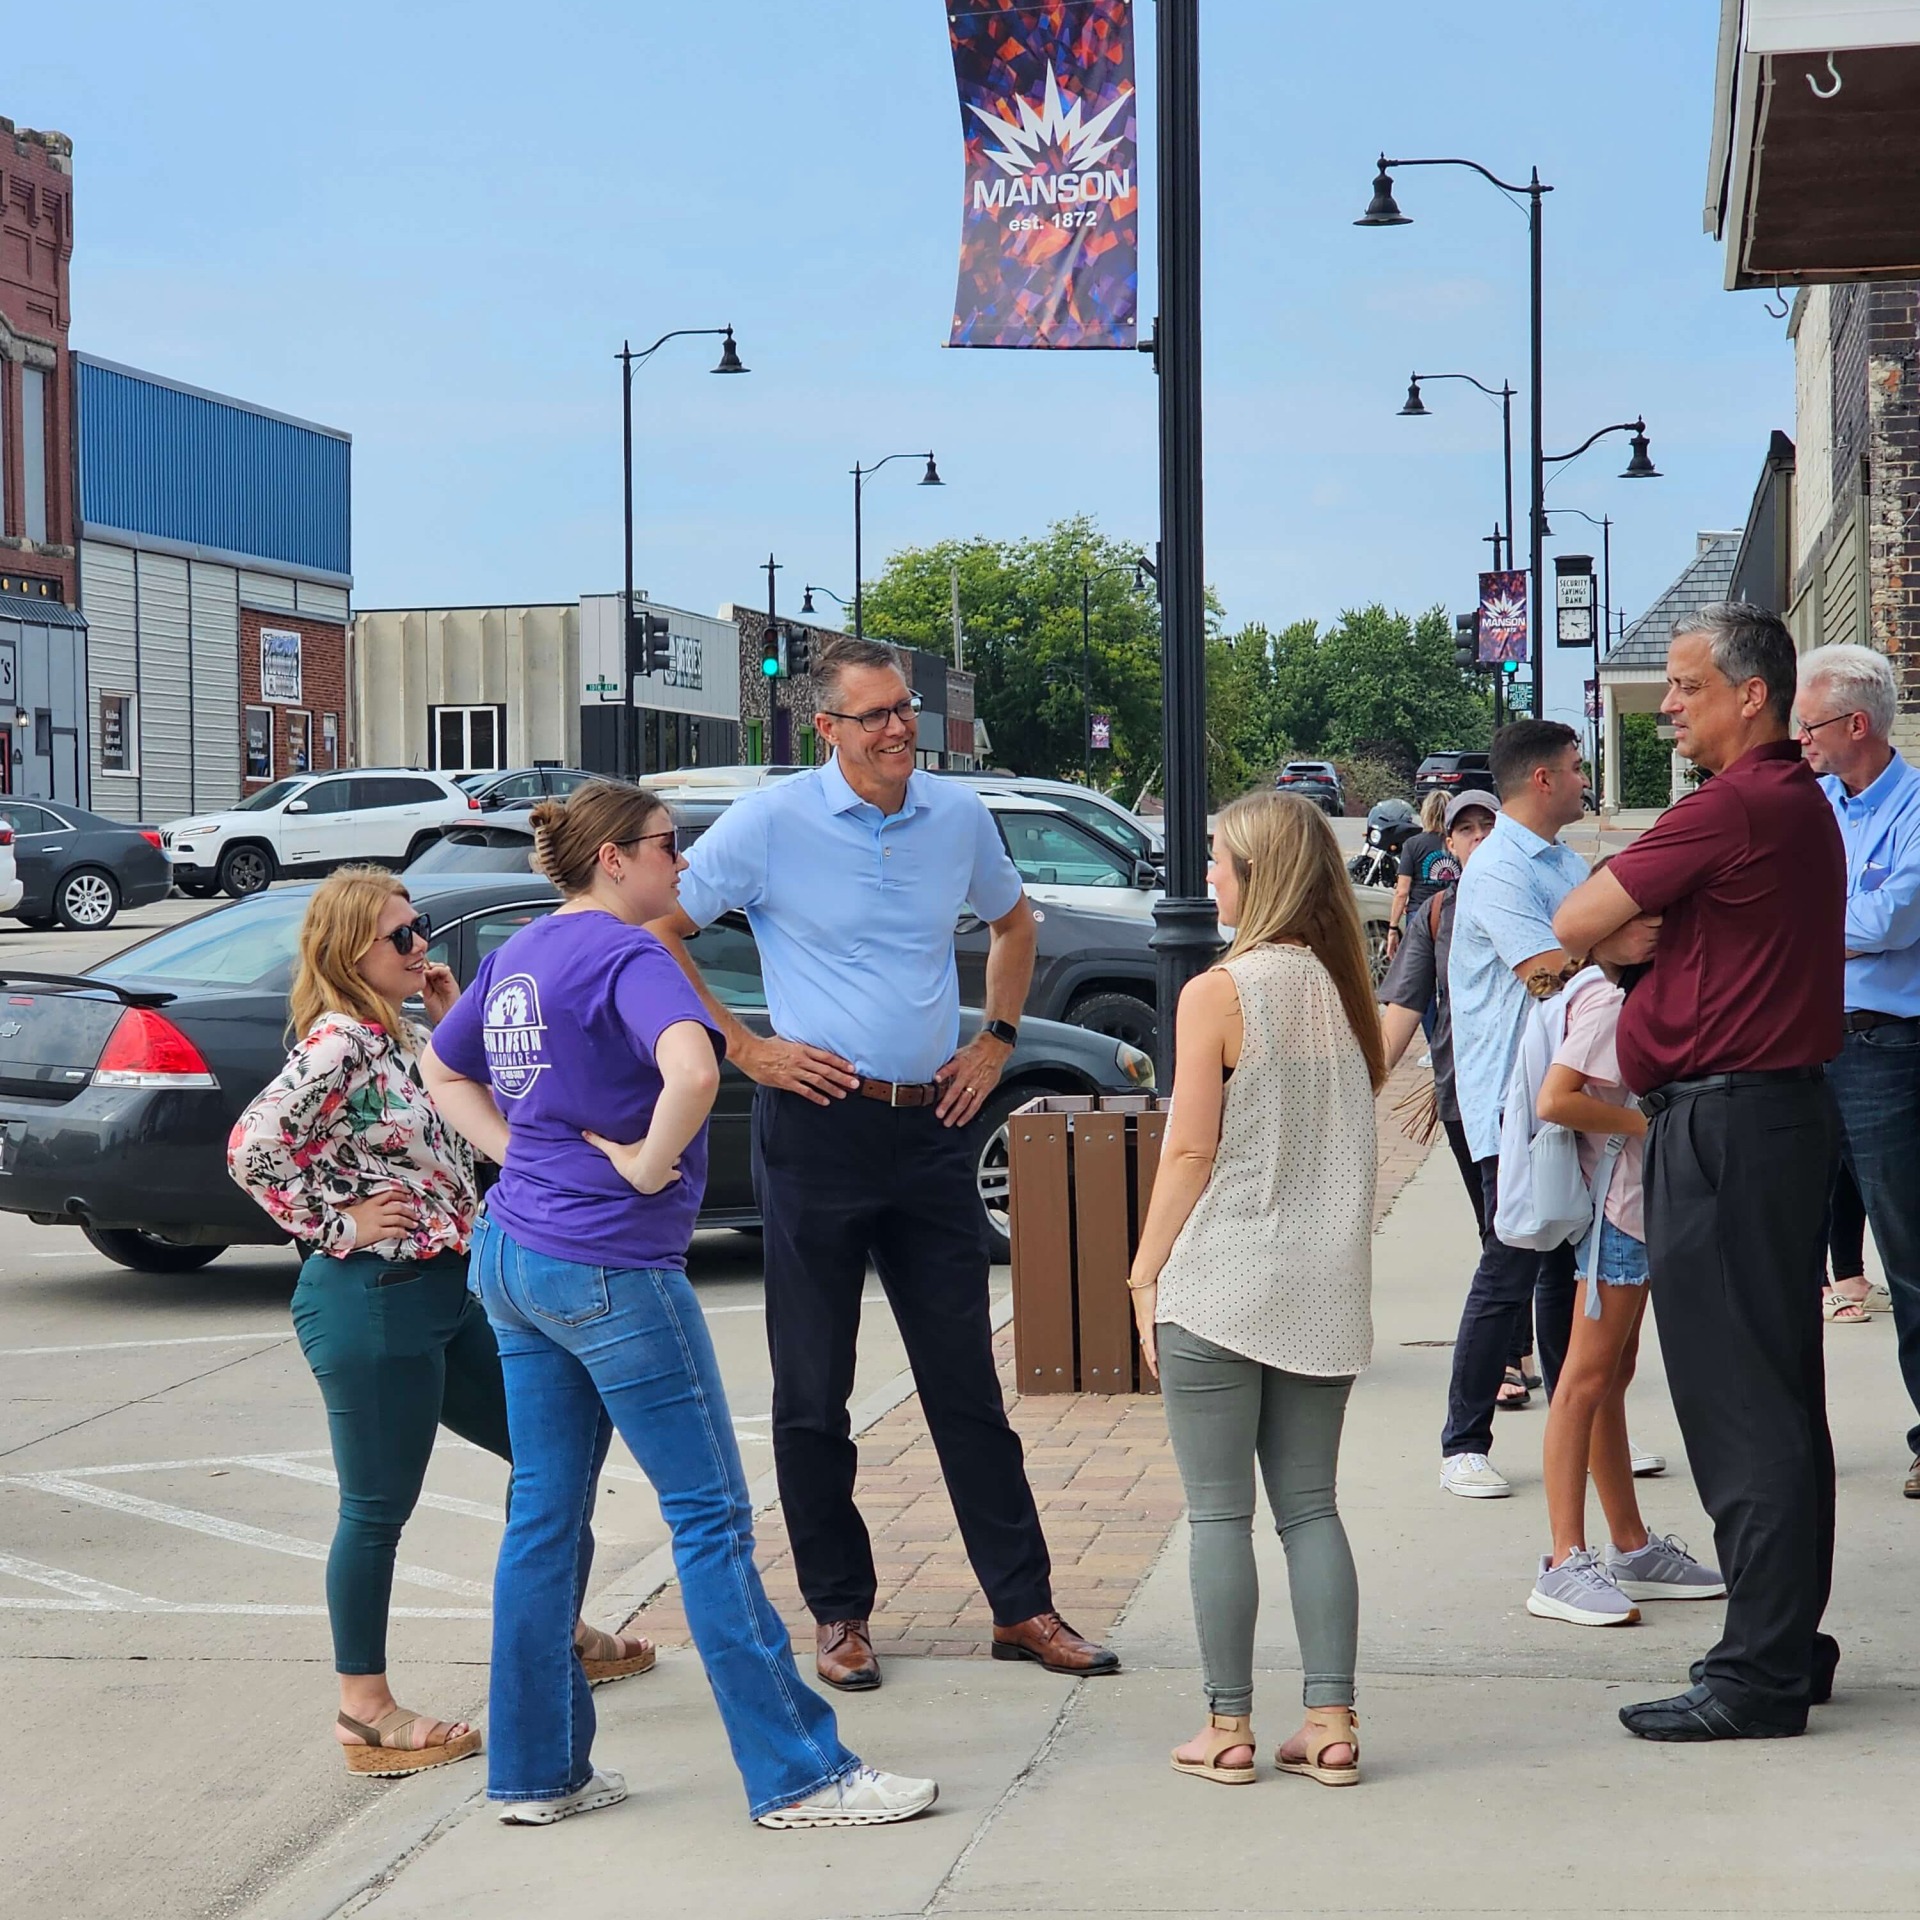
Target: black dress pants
<point>838,1185</point>
<point>1737,1182</point>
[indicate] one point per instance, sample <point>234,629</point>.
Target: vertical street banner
<point>1050,220</point>
<point>1503,617</point>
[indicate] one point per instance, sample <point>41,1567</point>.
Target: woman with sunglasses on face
<point>585,1034</point>
<point>346,1152</point>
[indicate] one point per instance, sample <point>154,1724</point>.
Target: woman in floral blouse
<point>348,1154</point>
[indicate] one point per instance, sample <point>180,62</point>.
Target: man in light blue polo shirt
<point>1844,713</point>
<point>1504,952</point>
<point>853,878</point>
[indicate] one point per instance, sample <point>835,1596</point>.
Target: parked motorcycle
<point>1390,825</point>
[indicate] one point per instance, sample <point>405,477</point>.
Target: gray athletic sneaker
<point>1663,1570</point>
<point>1579,1590</point>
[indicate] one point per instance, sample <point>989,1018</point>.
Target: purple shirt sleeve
<point>459,1041</point>
<point>652,994</point>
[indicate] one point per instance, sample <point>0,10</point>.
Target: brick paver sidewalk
<point>1102,1474</point>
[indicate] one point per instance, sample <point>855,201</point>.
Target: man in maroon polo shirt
<point>1726,1039</point>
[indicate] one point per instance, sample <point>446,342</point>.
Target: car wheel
<point>245,870</point>
<point>1377,955</point>
<point>147,1252</point>
<point>991,1166</point>
<point>86,900</point>
<point>1120,1014</point>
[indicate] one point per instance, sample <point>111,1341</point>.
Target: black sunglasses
<point>420,928</point>
<point>671,838</point>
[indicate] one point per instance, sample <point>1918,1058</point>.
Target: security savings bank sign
<point>703,676</point>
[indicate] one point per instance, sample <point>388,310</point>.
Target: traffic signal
<point>649,649</point>
<point>799,652</point>
<point>1466,642</point>
<point>770,662</point>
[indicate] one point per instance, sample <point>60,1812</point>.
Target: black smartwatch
<point>1005,1031</point>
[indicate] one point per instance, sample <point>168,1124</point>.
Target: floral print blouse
<point>349,1119</point>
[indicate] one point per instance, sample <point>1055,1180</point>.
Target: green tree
<point>1393,691</point>
<point>1646,763</point>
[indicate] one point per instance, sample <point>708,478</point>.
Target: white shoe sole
<point>787,1819</point>
<point>1651,1471</point>
<point>1545,1607</point>
<point>1653,1590</point>
<point>1501,1492</point>
<point>544,1813</point>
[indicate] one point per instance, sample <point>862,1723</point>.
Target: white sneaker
<point>1473,1477</point>
<point>1645,1464</point>
<point>863,1798</point>
<point>603,1790</point>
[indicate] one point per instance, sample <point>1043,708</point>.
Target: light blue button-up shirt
<point>1881,829</point>
<point>854,910</point>
<point>1509,892</point>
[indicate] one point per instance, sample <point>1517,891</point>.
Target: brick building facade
<point>286,729</point>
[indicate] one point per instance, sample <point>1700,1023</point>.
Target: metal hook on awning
<point>1826,93</point>
<point>1773,294</point>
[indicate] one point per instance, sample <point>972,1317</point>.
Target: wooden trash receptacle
<point>1081,1170</point>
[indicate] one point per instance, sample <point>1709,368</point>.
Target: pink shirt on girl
<point>1593,1018</point>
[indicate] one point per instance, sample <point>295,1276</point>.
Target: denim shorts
<point>1622,1260</point>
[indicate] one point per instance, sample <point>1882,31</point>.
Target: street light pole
<point>861,475</point>
<point>1086,679</point>
<point>625,746</point>
<point>1186,927</point>
<point>1603,633</point>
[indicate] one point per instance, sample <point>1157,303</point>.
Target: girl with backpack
<point>1582,1091</point>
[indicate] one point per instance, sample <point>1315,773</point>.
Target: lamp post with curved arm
<point>1417,409</point>
<point>861,475</point>
<point>1383,211</point>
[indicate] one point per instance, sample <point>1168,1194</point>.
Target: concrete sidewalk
<point>1498,1780</point>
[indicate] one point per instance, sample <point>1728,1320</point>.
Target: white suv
<point>10,886</point>
<point>311,824</point>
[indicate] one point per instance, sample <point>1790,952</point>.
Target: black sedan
<point>118,1087</point>
<point>80,868</point>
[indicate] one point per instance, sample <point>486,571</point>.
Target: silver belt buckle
<point>893,1093</point>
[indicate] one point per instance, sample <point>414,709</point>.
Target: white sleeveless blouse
<point>1276,1260</point>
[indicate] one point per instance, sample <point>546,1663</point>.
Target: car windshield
<point>250,944</point>
<point>269,797</point>
<point>476,850</point>
<point>469,781</point>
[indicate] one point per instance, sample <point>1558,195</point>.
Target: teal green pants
<point>400,1349</point>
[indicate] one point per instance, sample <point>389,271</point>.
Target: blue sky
<point>432,224</point>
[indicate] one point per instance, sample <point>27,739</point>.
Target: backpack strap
<point>1435,907</point>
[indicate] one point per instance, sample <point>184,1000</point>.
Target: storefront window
<point>259,723</point>
<point>330,740</point>
<point>299,742</point>
<point>116,734</point>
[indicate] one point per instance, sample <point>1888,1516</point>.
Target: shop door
<point>6,760</point>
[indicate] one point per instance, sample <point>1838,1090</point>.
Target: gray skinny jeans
<point>1224,1411</point>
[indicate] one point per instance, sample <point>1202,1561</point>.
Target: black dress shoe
<point>1699,1714</point>
<point>1826,1662</point>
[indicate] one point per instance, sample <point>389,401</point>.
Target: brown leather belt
<point>901,1093</point>
<point>1861,1020</point>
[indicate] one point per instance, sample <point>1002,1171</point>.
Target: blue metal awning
<point>39,613</point>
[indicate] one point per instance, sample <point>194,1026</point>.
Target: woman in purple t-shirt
<point>582,1060</point>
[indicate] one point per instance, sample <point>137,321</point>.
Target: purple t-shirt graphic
<point>562,1022</point>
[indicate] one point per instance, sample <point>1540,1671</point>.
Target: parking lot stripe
<point>203,1460</point>
<point>68,1487</point>
<point>95,1596</point>
<point>127,1346</point>
<point>290,1469</point>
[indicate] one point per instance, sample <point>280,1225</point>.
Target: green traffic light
<point>770,666</point>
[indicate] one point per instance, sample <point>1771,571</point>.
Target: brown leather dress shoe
<point>843,1655</point>
<point>1048,1639</point>
<point>1912,1487</point>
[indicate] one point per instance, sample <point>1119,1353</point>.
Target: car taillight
<point>6,834</point>
<point>147,1050</point>
<point>150,836</point>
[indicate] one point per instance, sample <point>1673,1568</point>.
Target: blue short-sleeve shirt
<point>854,910</point>
<point>1503,915</point>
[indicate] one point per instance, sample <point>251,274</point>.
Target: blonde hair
<point>1433,812</point>
<point>342,923</point>
<point>568,834</point>
<point>1294,887</point>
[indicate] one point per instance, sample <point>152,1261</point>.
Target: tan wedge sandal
<point>605,1657</point>
<point>1225,1731</point>
<point>1323,1731</point>
<point>387,1754</point>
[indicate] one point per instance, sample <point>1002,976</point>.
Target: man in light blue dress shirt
<point>1845,713</point>
<point>854,877</point>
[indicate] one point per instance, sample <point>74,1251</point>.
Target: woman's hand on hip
<point>387,1216</point>
<point>642,1171</point>
<point>793,1067</point>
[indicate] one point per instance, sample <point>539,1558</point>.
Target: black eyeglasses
<point>1804,731</point>
<point>670,839</point>
<point>875,719</point>
<point>419,928</point>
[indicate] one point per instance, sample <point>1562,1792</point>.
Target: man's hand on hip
<point>793,1067</point>
<point>969,1077</point>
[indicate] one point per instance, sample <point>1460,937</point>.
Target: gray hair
<point>1748,643</point>
<point>1861,679</point>
<point>837,656</point>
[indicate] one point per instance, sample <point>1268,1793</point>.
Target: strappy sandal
<point>1840,1309</point>
<point>1878,1299</point>
<point>1514,1392</point>
<point>603,1657</point>
<point>385,1752</point>
<point>1225,1731</point>
<point>1321,1735</point>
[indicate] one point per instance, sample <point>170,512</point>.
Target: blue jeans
<point>1876,1085</point>
<point>579,1343</point>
